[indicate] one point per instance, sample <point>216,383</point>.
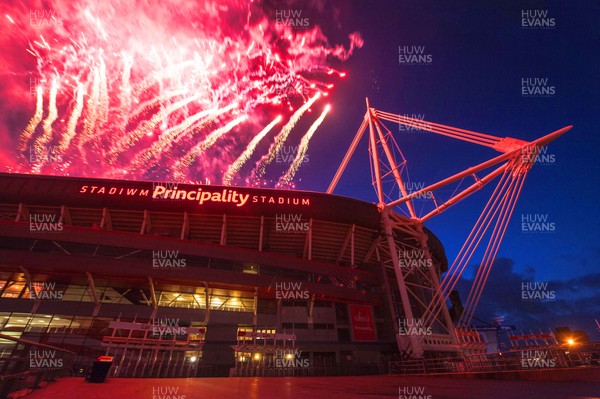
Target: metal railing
<point>311,371</point>
<point>26,365</point>
<point>530,359</point>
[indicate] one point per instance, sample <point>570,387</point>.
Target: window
<point>297,304</point>
<point>323,326</point>
<point>250,268</point>
<point>294,326</point>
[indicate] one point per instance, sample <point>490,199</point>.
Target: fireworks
<point>184,163</point>
<point>286,179</point>
<point>169,137</point>
<point>237,165</point>
<point>69,133</point>
<point>52,115</point>
<point>124,90</point>
<point>35,120</point>
<point>260,169</point>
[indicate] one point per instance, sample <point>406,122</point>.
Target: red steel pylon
<point>423,294</point>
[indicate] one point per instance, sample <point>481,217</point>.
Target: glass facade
<point>218,299</point>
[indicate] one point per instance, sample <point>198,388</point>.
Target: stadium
<point>187,280</point>
<point>169,279</point>
<point>170,211</point>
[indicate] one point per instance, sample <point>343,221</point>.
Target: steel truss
<point>419,296</point>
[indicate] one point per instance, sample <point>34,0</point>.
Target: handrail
<point>25,377</point>
<point>5,377</point>
<point>34,343</point>
<point>485,362</point>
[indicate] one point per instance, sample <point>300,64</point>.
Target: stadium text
<point>197,194</point>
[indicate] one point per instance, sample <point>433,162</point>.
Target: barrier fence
<point>526,359</point>
<point>26,365</point>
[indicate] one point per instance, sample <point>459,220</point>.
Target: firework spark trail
<point>287,178</point>
<point>70,132</point>
<point>118,78</point>
<point>89,120</point>
<point>102,98</point>
<point>188,158</point>
<point>237,165</point>
<point>42,140</point>
<point>211,116</point>
<point>34,121</point>
<point>147,126</point>
<point>100,117</point>
<point>152,103</point>
<point>261,165</point>
<point>214,136</point>
<point>169,137</point>
<point>124,97</point>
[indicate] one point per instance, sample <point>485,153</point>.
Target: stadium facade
<point>190,280</point>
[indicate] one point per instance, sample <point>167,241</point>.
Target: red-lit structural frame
<point>511,168</point>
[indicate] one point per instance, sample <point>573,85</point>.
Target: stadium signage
<point>227,195</point>
<point>198,194</point>
<point>362,322</point>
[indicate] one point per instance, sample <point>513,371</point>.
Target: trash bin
<point>100,369</point>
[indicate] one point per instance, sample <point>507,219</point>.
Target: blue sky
<point>480,54</point>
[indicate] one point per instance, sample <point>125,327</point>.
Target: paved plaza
<point>365,387</point>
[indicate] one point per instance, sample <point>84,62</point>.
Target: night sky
<point>480,53</point>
